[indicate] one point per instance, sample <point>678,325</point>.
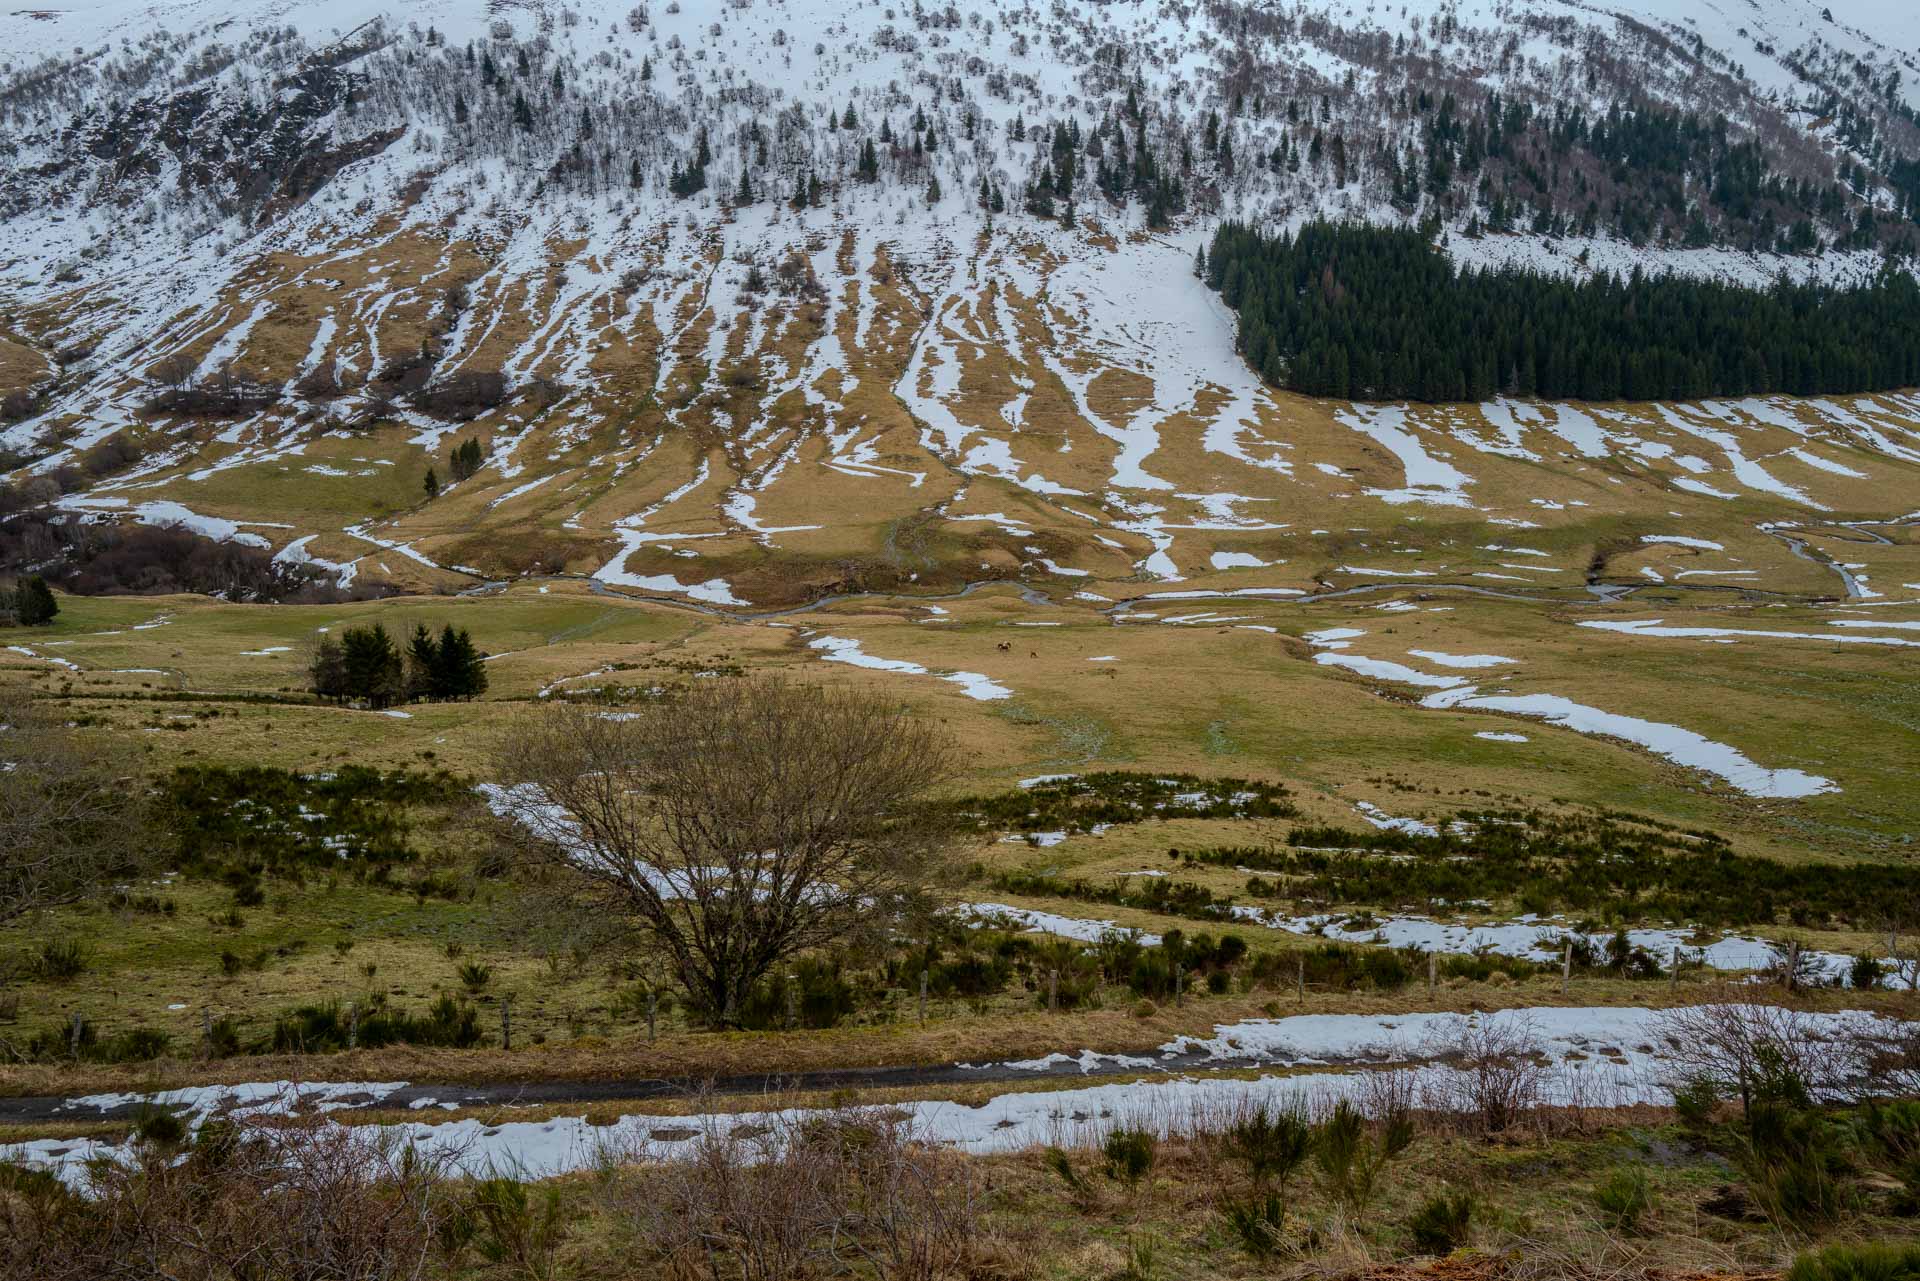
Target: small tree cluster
<point>466,459</point>
<point>444,668</point>
<point>29,604</point>
<point>365,666</point>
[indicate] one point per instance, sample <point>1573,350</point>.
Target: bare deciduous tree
<point>1734,1043</point>
<point>73,815</point>
<point>735,824</point>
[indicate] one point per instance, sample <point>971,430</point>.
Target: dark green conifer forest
<point>1368,313</point>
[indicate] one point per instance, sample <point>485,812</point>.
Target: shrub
<point>1694,1102</point>
<point>510,1229</point>
<point>1061,1164</point>
<point>1625,1198</point>
<point>1272,1144</point>
<point>159,1128</point>
<point>1129,1155</point>
<point>1258,1223</point>
<point>1793,1155</point>
<point>1858,1263</point>
<point>59,960</point>
<point>1351,1158</point>
<point>475,975</point>
<point>1441,1225</point>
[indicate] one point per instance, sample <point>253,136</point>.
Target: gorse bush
<point>1610,865</point>
<point>58,960</point>
<point>1258,1223</point>
<point>1080,802</point>
<point>262,818</point>
<point>1352,1155</point>
<point>316,1029</point>
<point>1272,1143</point>
<point>1795,1157</point>
<point>1442,1223</point>
<point>1625,1198</point>
<point>1129,1155</point>
<point>1883,1262</point>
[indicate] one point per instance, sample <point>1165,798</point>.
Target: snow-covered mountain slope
<point>265,264</point>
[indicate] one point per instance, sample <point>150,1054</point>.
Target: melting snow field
<point>1681,746</point>
<point>840,649</point>
<point>1597,1057</point>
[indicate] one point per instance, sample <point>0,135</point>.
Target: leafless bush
<point>805,1196</point>
<point>71,823</point>
<point>322,382</point>
<point>463,396</point>
<point>1497,1077</point>
<point>301,1201</point>
<point>1733,1045</point>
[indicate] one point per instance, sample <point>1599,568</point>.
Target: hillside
<point>1337,584</point>
<point>264,268</point>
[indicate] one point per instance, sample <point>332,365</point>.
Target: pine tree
<point>373,671</point>
<point>635,178</point>
<point>432,484</point>
<point>813,191</point>
<point>586,124</point>
<point>559,90</point>
<point>522,114</point>
<point>327,672</point>
<point>459,108</point>
<point>1019,128</point>
<point>33,603</point>
<point>868,169</point>
<point>521,66</point>
<point>462,671</point>
<point>646,69</point>
<point>423,664</point>
<point>849,120</point>
<point>744,196</point>
<point>933,189</point>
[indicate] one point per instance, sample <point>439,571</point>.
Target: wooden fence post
<point>923,996</point>
<point>506,1023</point>
<point>653,1005</point>
<point>1566,967</point>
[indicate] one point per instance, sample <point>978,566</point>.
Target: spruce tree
<point>34,604</point>
<point>327,672</point>
<point>522,114</point>
<point>463,671</point>
<point>373,670</point>
<point>744,196</point>
<point>423,664</point>
<point>933,189</point>
<point>432,484</point>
